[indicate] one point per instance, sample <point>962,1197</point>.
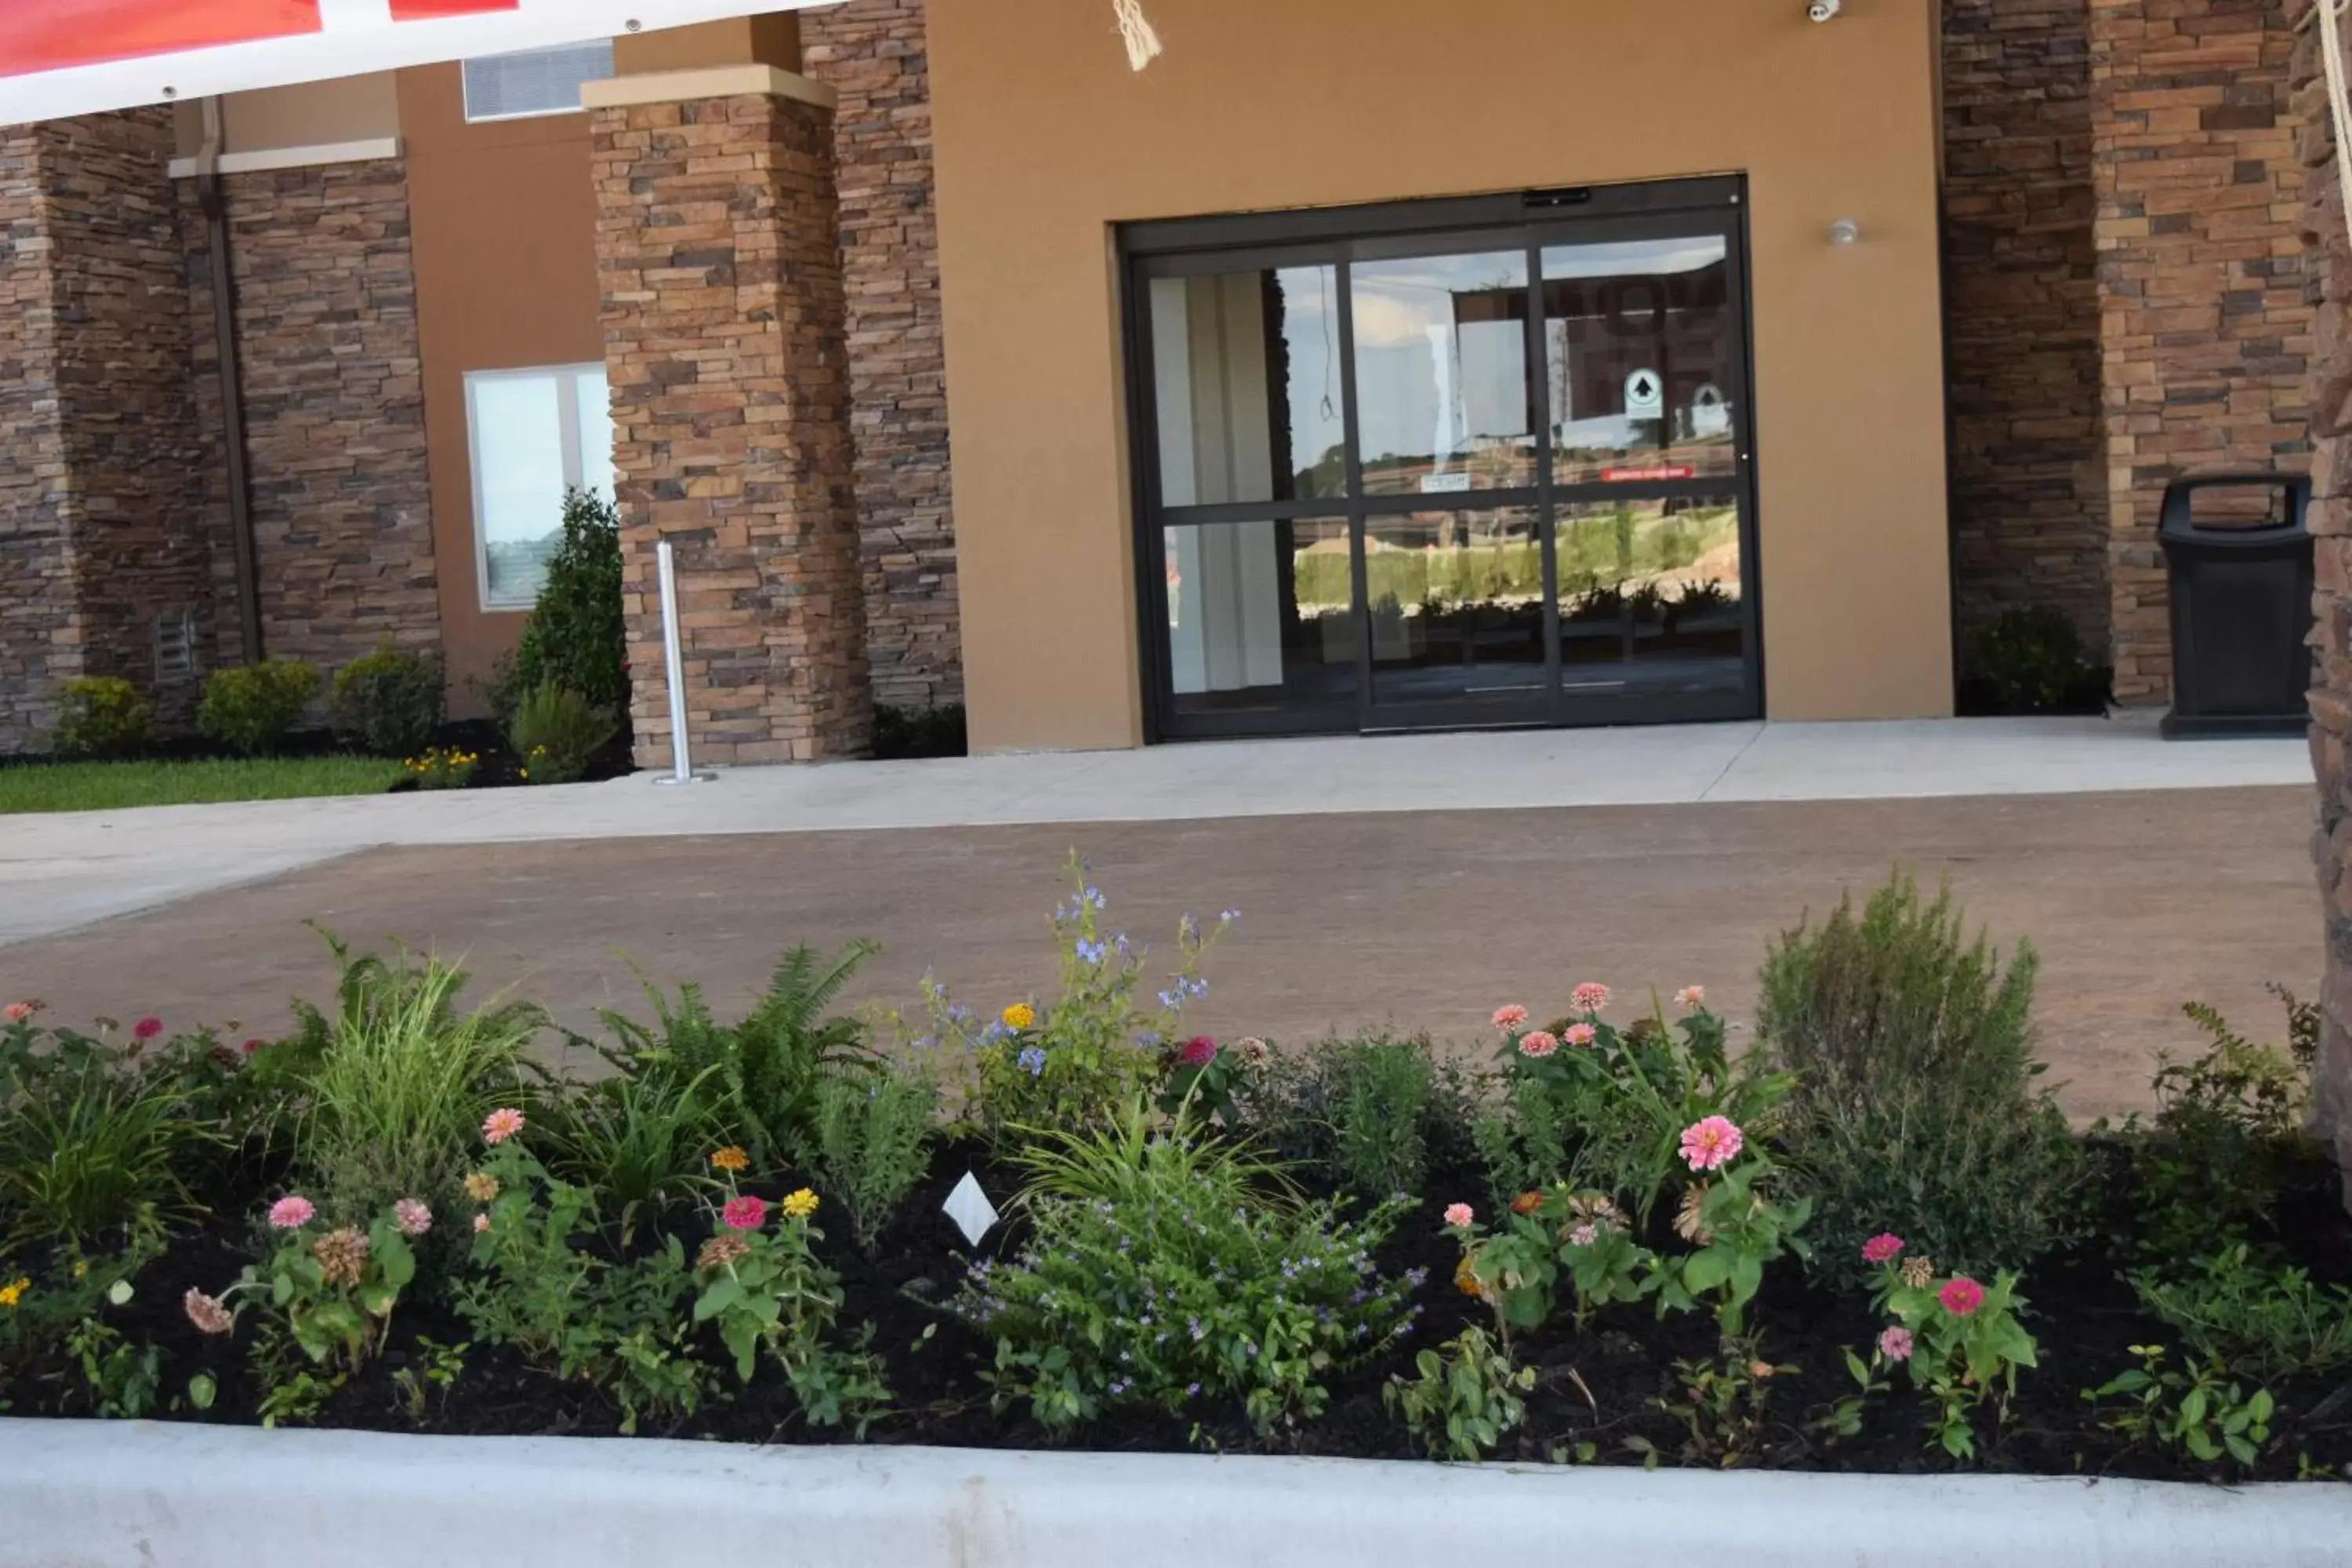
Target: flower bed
<point>1623,1242</point>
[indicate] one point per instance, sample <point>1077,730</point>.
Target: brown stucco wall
<point>506,271</point>
<point>1045,139</point>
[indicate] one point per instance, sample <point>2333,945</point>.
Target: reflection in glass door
<point>1423,468</point>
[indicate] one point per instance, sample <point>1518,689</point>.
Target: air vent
<point>175,648</point>
<point>535,81</point>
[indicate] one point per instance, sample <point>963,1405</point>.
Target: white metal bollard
<point>680,743</point>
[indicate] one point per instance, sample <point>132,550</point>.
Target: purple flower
<point>1091,951</point>
<point>1031,1061</point>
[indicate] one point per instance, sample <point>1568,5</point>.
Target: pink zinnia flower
<point>412,1217</point>
<point>1459,1215</point>
<point>208,1313</point>
<point>1510,1016</point>
<point>481,1225</point>
<point>743,1213</point>
<point>1711,1143</point>
<point>501,1124</point>
<point>1580,1036</point>
<point>1199,1051</point>
<point>1691,998</point>
<point>1590,997</point>
<point>1894,1344</point>
<point>18,1011</point>
<point>1884,1248</point>
<point>1961,1296</point>
<point>1539,1044</point>
<point>146,1028</point>
<point>291,1212</point>
<point>253,1048</point>
<point>1584,1234</point>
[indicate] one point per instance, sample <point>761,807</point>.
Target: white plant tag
<point>970,1208</point>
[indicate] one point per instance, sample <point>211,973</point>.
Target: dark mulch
<point>1598,1387</point>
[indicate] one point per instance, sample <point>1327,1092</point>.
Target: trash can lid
<point>2176,517</point>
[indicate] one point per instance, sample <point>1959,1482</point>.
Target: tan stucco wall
<point>505,247</point>
<point>308,114</point>
<point>1044,139</point>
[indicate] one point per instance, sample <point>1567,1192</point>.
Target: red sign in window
<point>1650,473</point>
<point>59,34</point>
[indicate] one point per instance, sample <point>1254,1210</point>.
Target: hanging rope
<point>1143,44</point>
<point>2330,15</point>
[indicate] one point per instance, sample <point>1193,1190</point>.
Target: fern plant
<point>760,1076</point>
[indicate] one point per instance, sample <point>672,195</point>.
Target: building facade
<point>1326,376</point>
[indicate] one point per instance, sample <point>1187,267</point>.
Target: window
<point>535,434</point>
<point>535,81</point>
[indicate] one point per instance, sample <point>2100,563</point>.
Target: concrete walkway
<point>60,872</point>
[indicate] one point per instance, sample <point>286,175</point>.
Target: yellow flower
<point>14,1292</point>
<point>1021,1016</point>
<point>481,1186</point>
<point>731,1160</point>
<point>801,1205</point>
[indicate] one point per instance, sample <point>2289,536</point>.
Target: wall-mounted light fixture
<point>1845,231</point>
<point>1824,10</point>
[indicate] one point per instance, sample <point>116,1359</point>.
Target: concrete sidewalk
<point>60,872</point>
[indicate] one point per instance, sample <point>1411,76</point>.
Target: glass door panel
<point>1650,598</point>
<point>1245,375</point>
<point>1260,618</point>
<point>1441,390</point>
<point>1642,358</point>
<point>1457,608</point>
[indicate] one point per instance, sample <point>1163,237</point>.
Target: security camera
<point>1824,10</point>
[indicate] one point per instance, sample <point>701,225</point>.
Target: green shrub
<point>1916,1109</point>
<point>98,1137</point>
<point>556,733</point>
<point>1463,1398</point>
<point>2228,1133</point>
<point>2032,661</point>
<point>760,1077</point>
<point>637,1142</point>
<point>101,716</point>
<point>399,1083</point>
<point>388,703</point>
<point>871,1135</point>
<point>2254,1316</point>
<point>576,636</point>
<point>1367,1110</point>
<point>253,707</point>
<point>1181,1282</point>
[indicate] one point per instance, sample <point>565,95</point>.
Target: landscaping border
<point>86,1494</point>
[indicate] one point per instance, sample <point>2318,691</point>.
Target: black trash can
<point>2240,610</point>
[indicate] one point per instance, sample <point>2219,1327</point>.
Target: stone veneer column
<point>334,408</point>
<point>100,546</point>
<point>2205,330</point>
<point>721,267</point>
<point>874,53</point>
<point>2029,501</point>
<point>2330,401</point>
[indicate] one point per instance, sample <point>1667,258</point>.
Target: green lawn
<point>110,786</point>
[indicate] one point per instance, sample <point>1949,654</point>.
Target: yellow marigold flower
<point>14,1292</point>
<point>1466,1277</point>
<point>1021,1016</point>
<point>731,1160</point>
<point>801,1205</point>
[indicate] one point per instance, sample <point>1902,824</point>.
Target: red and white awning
<point>60,58</point>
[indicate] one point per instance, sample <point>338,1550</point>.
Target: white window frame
<point>567,418</point>
<point>466,85</point>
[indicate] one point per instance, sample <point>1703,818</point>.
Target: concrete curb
<point>125,1495</point>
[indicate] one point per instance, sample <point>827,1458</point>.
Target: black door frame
<point>1337,238</point>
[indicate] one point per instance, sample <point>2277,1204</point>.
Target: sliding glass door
<point>1422,467</point>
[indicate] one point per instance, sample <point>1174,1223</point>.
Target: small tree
<point>576,637</point>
